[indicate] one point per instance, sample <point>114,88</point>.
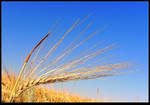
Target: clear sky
<point>25,23</point>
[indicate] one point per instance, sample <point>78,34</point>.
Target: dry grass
<point>38,93</point>
<point>37,71</point>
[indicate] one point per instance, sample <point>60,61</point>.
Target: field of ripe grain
<point>39,93</point>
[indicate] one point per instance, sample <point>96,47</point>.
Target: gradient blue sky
<point>26,22</point>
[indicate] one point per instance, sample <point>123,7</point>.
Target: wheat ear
<point>22,69</point>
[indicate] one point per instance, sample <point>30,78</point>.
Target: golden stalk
<point>22,69</point>
<point>67,71</point>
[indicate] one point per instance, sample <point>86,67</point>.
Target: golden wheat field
<point>38,94</point>
<point>38,70</point>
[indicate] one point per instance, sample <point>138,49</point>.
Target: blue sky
<point>25,23</point>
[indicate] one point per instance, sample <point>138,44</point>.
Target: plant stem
<point>22,69</point>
